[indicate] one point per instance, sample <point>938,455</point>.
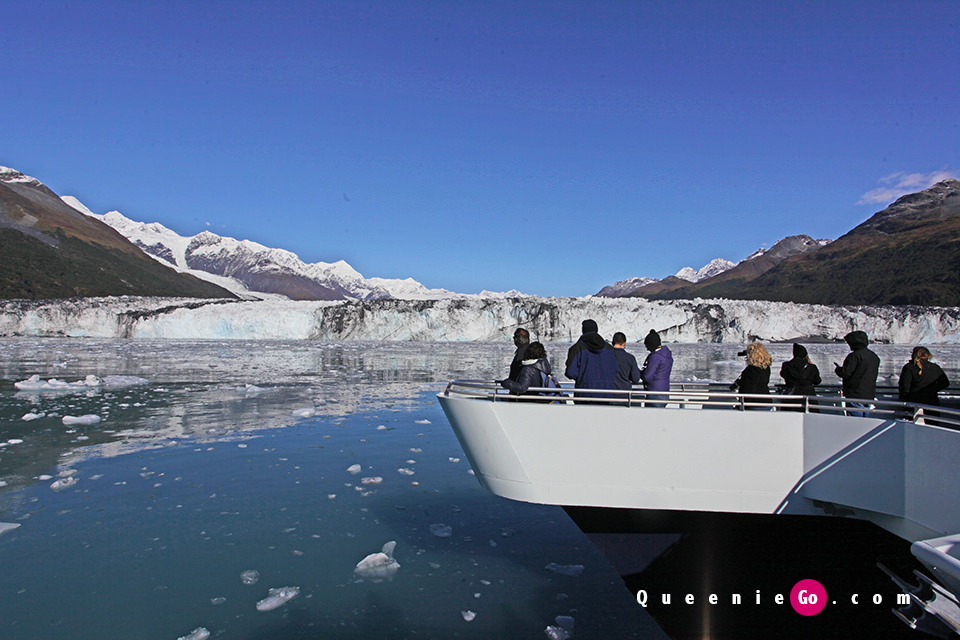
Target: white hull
<point>699,454</point>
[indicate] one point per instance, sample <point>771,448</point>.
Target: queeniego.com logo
<point>807,597</point>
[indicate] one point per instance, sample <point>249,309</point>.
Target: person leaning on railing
<point>755,378</point>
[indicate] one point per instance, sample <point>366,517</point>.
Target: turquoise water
<point>193,477</point>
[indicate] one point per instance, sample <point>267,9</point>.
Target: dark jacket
<point>922,385</point>
<point>753,379</point>
<point>516,364</point>
<point>799,377</point>
<point>529,376</point>
<point>656,370</point>
<point>628,373</point>
<point>859,369</point>
<point>594,365</point>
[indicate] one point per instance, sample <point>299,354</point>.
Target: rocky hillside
<point>50,250</point>
<point>907,254</point>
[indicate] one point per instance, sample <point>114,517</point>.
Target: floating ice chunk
<point>422,421</point>
<point>250,576</point>
<point>405,471</point>
<point>354,468</point>
<point>441,530</point>
<point>382,427</point>
<point>34,383</point>
<point>277,598</point>
<point>63,483</point>
<point>468,615</point>
<point>27,417</point>
<point>371,480</point>
<point>200,633</point>
<point>8,526</point>
<point>563,630</point>
<point>380,565</point>
<point>14,441</point>
<point>306,412</point>
<point>88,419</point>
<point>452,459</point>
<point>565,569</point>
<point>218,601</point>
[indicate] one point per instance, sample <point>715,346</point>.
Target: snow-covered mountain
<point>475,319</point>
<point>712,268</point>
<point>252,270</point>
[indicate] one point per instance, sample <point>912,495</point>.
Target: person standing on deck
<point>628,373</point>
<point>859,371</point>
<point>656,368</point>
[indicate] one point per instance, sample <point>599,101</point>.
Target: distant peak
<point>12,175</point>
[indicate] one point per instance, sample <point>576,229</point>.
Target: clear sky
<point>551,147</point>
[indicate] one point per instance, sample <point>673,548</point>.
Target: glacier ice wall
<point>471,319</point>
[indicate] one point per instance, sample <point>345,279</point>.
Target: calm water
<point>236,456</point>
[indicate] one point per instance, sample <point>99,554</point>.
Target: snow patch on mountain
<point>252,270</point>
<point>712,268</point>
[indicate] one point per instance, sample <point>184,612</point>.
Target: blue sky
<point>550,147</point>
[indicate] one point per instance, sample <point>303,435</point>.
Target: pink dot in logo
<point>808,597</point>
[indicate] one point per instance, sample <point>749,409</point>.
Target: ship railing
<point>712,396</point>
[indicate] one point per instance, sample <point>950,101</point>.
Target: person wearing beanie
<point>657,367</point>
<point>799,374</point>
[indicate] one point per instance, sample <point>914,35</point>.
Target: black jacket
<point>753,379</point>
<point>799,377</point>
<point>859,369</point>
<point>921,386</point>
<point>529,377</point>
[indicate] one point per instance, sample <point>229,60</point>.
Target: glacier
<point>472,319</point>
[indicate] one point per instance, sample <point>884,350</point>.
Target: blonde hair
<point>758,356</point>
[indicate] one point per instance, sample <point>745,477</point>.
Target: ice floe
<point>354,468</point>
<point>84,420</point>
<point>468,615</point>
<point>200,633</point>
<point>34,383</point>
<point>371,480</point>
<point>563,630</point>
<point>64,483</point>
<point>8,526</point>
<point>441,530</point>
<point>28,417</point>
<point>277,598</point>
<point>250,576</point>
<point>380,565</point>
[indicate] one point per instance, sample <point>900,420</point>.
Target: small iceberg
<point>277,598</point>
<point>34,383</point>
<point>250,576</point>
<point>371,480</point>
<point>380,565</point>
<point>64,483</point>
<point>563,630</point>
<point>354,468</point>
<point>441,530</point>
<point>85,420</point>
<point>200,633</point>
<point>8,526</point>
<point>468,615</point>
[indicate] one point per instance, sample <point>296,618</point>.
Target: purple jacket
<point>656,370</point>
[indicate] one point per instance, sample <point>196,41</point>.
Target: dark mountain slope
<point>50,250</point>
<point>909,253</point>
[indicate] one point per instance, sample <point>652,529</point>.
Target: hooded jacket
<point>529,376</point>
<point>594,366</point>
<point>800,376</point>
<point>859,369</point>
